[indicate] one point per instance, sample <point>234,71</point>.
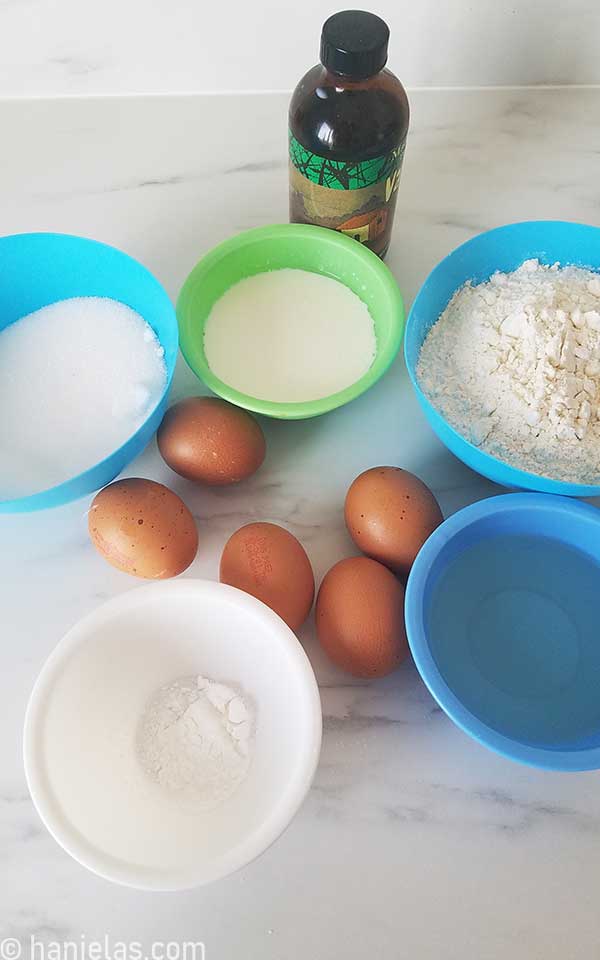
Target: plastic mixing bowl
<point>81,726</point>
<point>502,249</point>
<point>303,247</point>
<point>502,621</point>
<point>41,268</point>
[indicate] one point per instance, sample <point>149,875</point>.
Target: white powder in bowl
<point>195,739</point>
<point>289,336</point>
<point>77,378</point>
<point>513,364</point>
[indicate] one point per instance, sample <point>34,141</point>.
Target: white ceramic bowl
<point>81,722</point>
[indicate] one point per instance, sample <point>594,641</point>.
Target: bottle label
<point>356,198</point>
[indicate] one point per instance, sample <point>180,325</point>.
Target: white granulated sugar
<point>289,335</point>
<point>77,378</point>
<point>513,364</point>
<point>195,739</point>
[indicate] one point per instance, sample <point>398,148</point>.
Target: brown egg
<point>360,617</point>
<point>389,514</point>
<point>211,441</point>
<point>143,528</point>
<point>267,561</point>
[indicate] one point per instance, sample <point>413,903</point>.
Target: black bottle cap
<point>354,43</point>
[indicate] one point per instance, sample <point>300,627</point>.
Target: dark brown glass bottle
<point>348,124</point>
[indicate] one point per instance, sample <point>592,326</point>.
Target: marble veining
<point>265,165</point>
<point>161,47</point>
<point>77,66</point>
<point>414,841</point>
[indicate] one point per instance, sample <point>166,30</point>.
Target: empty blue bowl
<point>502,621</point>
<point>40,268</point>
<point>502,249</point>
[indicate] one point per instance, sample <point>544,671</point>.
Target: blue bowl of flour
<point>502,621</point>
<point>503,249</point>
<point>39,269</point>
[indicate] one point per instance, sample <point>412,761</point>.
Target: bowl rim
<point>519,478</point>
<point>282,812</point>
<point>83,483</point>
<point>284,410</point>
<point>565,760</point>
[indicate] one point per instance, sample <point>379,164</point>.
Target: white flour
<point>195,738</point>
<point>514,365</point>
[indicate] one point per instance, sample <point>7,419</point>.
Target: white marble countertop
<point>414,842</point>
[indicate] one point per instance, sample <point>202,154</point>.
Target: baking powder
<point>195,738</point>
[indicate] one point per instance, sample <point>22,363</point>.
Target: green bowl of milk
<point>290,320</point>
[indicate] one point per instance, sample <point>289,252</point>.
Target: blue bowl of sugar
<point>503,249</point>
<point>502,621</point>
<point>43,269</point>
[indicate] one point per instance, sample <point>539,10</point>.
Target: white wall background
<point>54,47</point>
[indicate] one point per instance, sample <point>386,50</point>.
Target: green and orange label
<point>355,197</point>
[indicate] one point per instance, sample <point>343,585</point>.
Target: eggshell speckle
<point>267,561</point>
<point>211,441</point>
<point>143,528</point>
<point>390,513</point>
<point>360,617</point>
